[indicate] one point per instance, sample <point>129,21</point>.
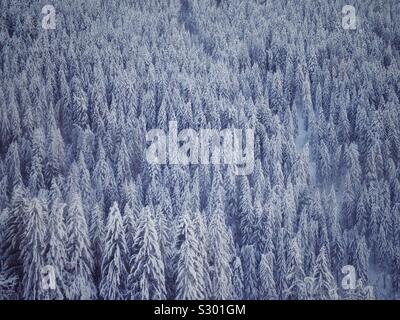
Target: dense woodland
<point>77,193</point>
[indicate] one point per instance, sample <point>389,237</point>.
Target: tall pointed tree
<point>55,249</point>
<point>266,274</point>
<point>32,247</point>
<point>113,267</point>
<point>325,286</point>
<point>146,280</point>
<point>79,258</point>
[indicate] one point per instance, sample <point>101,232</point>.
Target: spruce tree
<point>146,280</point>
<point>113,267</point>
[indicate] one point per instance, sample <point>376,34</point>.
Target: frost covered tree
<point>146,279</point>
<point>251,277</point>
<point>14,234</point>
<point>55,252</point>
<point>237,279</point>
<point>12,160</point>
<point>203,234</point>
<point>32,246</point>
<point>295,272</point>
<point>220,257</point>
<point>79,267</point>
<point>97,238</point>
<point>74,128</point>
<point>78,103</point>
<point>113,267</point>
<point>281,272</point>
<point>36,178</point>
<point>325,286</point>
<point>266,274</point>
<point>247,216</point>
<point>188,265</point>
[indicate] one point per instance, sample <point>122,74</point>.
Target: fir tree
<point>325,287</point>
<point>55,249</point>
<point>32,246</point>
<point>146,279</point>
<point>113,267</point>
<point>266,273</point>
<point>251,279</point>
<point>79,266</point>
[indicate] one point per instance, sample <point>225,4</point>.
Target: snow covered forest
<point>76,191</point>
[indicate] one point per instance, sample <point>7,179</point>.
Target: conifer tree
<point>79,267</point>
<point>32,246</point>
<point>55,254</point>
<point>113,267</point>
<point>266,273</point>
<point>188,266</point>
<point>325,287</point>
<point>237,279</point>
<point>146,279</point>
<point>295,273</point>
<point>251,278</point>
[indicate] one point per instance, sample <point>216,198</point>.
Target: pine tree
<point>277,97</point>
<point>36,179</point>
<point>123,164</point>
<point>73,129</point>
<point>79,103</point>
<point>203,234</point>
<point>343,125</point>
<point>146,280</point>
<point>266,273</point>
<point>246,211</point>
<point>85,184</point>
<point>361,258</point>
<point>348,205</point>
<point>266,225</point>
<point>113,267</point>
<point>12,162</point>
<point>129,223</point>
<point>325,287</point>
<point>295,273</point>
<point>324,165</point>
<point>361,213</point>
<point>237,279</point>
<point>281,271</point>
<point>5,126</point>
<point>54,163</point>
<point>97,238</point>
<point>220,257</point>
<point>79,277</point>
<point>251,279</point>
<point>188,263</point>
<point>55,255</point>
<point>32,246</point>
<point>103,177</point>
<point>14,233</point>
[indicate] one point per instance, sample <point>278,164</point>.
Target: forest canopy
<point>76,191</point>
